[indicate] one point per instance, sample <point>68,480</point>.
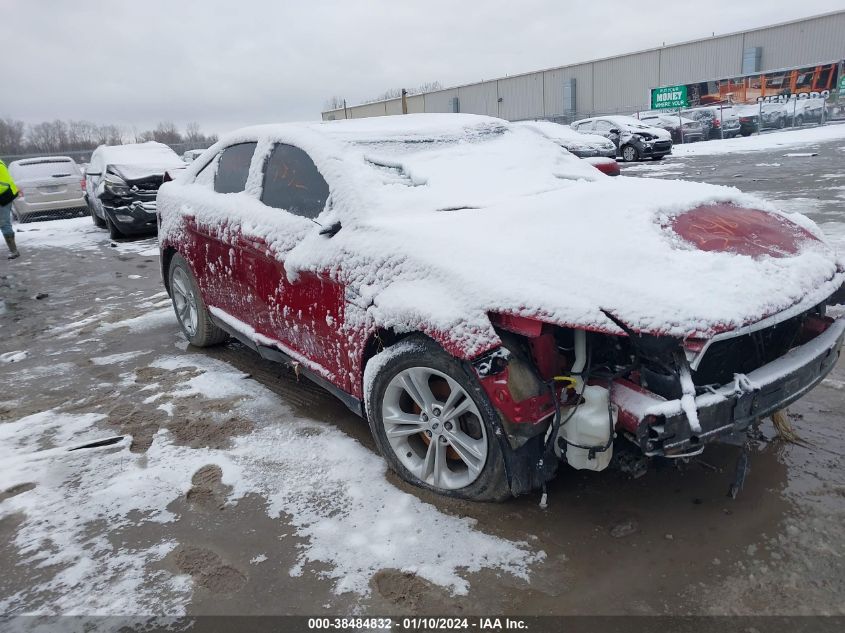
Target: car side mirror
<point>614,131</point>
<point>331,230</point>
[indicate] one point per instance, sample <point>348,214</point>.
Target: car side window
<point>207,174</point>
<point>233,168</point>
<point>292,182</point>
<point>603,126</point>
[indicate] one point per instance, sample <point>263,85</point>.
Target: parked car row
<point>778,115</point>
<point>730,120</point>
<point>682,129</point>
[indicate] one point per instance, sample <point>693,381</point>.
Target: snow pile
<point>448,217</point>
<point>147,321</point>
<point>78,234</point>
<point>13,357</point>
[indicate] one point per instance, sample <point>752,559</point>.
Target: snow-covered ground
<point>786,140</point>
<point>78,234</point>
<point>331,490</point>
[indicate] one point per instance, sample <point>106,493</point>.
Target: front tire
<point>114,232</point>
<point>191,311</point>
<point>630,153</point>
<point>433,423</point>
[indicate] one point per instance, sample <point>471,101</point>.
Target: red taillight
<point>83,185</point>
<point>611,168</point>
<point>717,123</point>
<point>606,165</point>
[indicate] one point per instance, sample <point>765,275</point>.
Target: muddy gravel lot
<point>213,482</point>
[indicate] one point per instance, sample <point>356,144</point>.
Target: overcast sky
<point>237,62</point>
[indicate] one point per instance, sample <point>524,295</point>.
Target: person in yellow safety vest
<point>8,192</point>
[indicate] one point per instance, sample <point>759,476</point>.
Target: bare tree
<point>49,136</point>
<point>334,103</point>
<point>395,93</point>
<point>11,136</point>
<point>167,133</point>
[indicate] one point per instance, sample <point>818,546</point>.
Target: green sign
<point>669,97</point>
<point>842,86</point>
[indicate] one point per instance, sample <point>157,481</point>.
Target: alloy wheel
<point>434,428</point>
<point>184,301</point>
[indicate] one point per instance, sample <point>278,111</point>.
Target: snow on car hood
<point>136,161</point>
<point>437,234</point>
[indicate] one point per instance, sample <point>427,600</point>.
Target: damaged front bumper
<point>661,428</point>
<point>133,216</point>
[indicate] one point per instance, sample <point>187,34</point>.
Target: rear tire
<point>630,153</point>
<point>191,311</point>
<point>455,455</point>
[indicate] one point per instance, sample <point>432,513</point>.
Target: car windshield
<point>629,121</point>
<point>476,169</point>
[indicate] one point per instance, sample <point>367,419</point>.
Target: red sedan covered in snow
<point>492,305</point>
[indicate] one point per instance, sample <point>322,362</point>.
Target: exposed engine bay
<point>595,400</point>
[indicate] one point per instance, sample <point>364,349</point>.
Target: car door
<point>304,314</point>
<point>604,128</point>
<point>212,243</point>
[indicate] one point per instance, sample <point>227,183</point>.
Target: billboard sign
<point>810,82</point>
<point>669,97</point>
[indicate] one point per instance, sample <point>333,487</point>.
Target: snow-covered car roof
<point>665,118</point>
<point>139,160</point>
<point>446,218</point>
<point>626,121</point>
<point>566,136</point>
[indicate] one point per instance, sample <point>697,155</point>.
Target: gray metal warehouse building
<point>754,64</point>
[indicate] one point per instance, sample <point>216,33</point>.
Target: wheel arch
<point>167,253</point>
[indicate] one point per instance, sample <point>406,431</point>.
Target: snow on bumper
<point>661,427</point>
